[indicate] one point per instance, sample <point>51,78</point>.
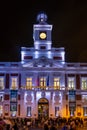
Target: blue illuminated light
<point>39,95</point>
<point>44,27</point>
<point>25,95</point>
<point>63,56</point>
<point>36,54</point>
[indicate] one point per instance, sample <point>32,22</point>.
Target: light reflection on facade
<point>42,81</point>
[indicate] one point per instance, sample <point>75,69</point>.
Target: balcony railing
<point>38,88</point>
<point>43,88</point>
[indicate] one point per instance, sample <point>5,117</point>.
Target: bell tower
<point>42,33</point>
<point>42,54</point>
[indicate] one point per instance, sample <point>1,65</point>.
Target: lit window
<point>1,83</point>
<point>56,83</point>
<point>84,83</point>
<point>71,83</point>
<point>14,84</point>
<point>84,98</point>
<point>43,83</point>
<point>29,83</point>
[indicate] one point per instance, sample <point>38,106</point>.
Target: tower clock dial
<point>43,35</point>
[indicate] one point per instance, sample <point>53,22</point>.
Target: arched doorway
<point>43,108</point>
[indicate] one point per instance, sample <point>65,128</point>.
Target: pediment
<point>43,62</point>
<point>40,62</point>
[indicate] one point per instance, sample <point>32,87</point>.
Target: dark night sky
<point>69,19</point>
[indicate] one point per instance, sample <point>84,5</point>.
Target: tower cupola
<point>42,18</point>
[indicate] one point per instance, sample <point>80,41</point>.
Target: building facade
<point>42,83</point>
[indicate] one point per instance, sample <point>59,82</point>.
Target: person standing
<point>46,126</point>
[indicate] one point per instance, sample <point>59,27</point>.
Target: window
<point>28,111</point>
<point>56,111</point>
<point>84,98</point>
<point>43,83</point>
<point>1,83</point>
<point>29,83</point>
<point>1,110</point>
<point>14,83</point>
<point>13,106</point>
<point>6,97</point>
<point>72,111</point>
<point>57,58</point>
<point>28,57</point>
<point>84,83</point>
<point>43,47</point>
<point>71,98</point>
<point>72,95</point>
<point>71,83</point>
<point>1,98</point>
<point>56,83</point>
<point>13,95</point>
<point>84,111</point>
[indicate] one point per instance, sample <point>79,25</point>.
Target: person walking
<point>46,126</point>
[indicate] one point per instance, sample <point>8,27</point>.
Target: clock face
<point>43,35</point>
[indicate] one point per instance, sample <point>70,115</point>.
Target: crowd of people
<point>45,124</point>
<point>63,124</point>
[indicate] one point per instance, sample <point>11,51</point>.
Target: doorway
<point>43,108</point>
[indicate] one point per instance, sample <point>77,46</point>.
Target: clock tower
<point>42,33</point>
